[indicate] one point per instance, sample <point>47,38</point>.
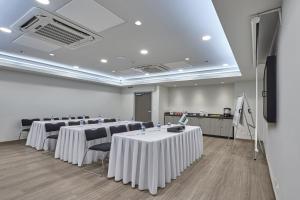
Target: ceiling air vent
<point>48,27</point>
<point>152,68</point>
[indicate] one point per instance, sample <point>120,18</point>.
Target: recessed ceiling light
<point>103,60</point>
<point>206,37</point>
<point>52,54</point>
<point>147,74</point>
<point>187,59</point>
<point>225,65</point>
<point>144,51</point>
<point>180,70</point>
<point>222,82</point>
<point>75,67</point>
<point>5,30</point>
<point>138,23</point>
<point>45,2</point>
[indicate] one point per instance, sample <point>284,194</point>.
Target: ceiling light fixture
<point>187,59</point>
<point>45,2</point>
<point>225,65</point>
<point>180,70</point>
<point>75,67</point>
<point>147,74</point>
<point>52,54</point>
<point>138,23</point>
<point>5,30</point>
<point>144,52</point>
<point>206,37</point>
<point>103,60</point>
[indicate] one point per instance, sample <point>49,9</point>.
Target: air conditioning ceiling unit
<point>48,27</point>
<point>152,68</point>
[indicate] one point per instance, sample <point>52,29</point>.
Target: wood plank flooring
<point>223,173</point>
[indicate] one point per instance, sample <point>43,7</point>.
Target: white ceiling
<point>235,16</point>
<point>171,31</point>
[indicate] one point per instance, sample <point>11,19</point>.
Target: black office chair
<point>50,127</point>
<point>134,127</point>
<point>25,125</point>
<point>148,124</point>
<point>55,118</point>
<point>47,119</point>
<point>94,134</point>
<point>86,117</point>
<point>80,117</point>
<point>117,129</point>
<point>93,121</point>
<point>65,118</point>
<point>109,120</point>
<point>73,117</point>
<point>74,123</point>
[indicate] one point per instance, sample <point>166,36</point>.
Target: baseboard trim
<point>272,177</point>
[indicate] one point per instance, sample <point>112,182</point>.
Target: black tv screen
<point>269,91</point>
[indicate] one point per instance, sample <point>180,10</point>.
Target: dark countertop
<point>215,116</point>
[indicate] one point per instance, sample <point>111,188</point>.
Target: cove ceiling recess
<point>53,39</point>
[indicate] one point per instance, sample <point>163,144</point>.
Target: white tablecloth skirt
<point>37,134</point>
<point>71,143</point>
<point>153,164</point>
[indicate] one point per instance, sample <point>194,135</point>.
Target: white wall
<point>163,102</point>
<point>282,140</point>
<point>29,96</point>
<point>209,98</point>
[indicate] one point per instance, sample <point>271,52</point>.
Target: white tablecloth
<point>71,143</point>
<point>38,133</point>
<point>152,160</point>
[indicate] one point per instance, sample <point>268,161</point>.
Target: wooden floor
<point>223,173</point>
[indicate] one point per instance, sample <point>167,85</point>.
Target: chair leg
<point>44,143</point>
<point>84,157</point>
<point>20,135</point>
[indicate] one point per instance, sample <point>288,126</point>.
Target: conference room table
<point>37,133</point>
<point>153,158</point>
<point>71,144</point>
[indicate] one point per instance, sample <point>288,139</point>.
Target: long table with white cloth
<point>71,143</point>
<point>153,158</point>
<point>37,133</point>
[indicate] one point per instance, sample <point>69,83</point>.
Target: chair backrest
<point>93,134</point>
<point>73,117</point>
<point>74,123</point>
<point>117,129</point>
<point>109,120</point>
<point>47,119</point>
<point>28,122</point>
<point>53,127</point>
<point>79,117</point>
<point>65,118</point>
<point>93,121</point>
<point>148,124</point>
<point>55,118</point>
<point>134,127</point>
<point>86,117</point>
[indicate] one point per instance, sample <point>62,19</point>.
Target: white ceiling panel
<point>90,14</point>
<point>34,43</point>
